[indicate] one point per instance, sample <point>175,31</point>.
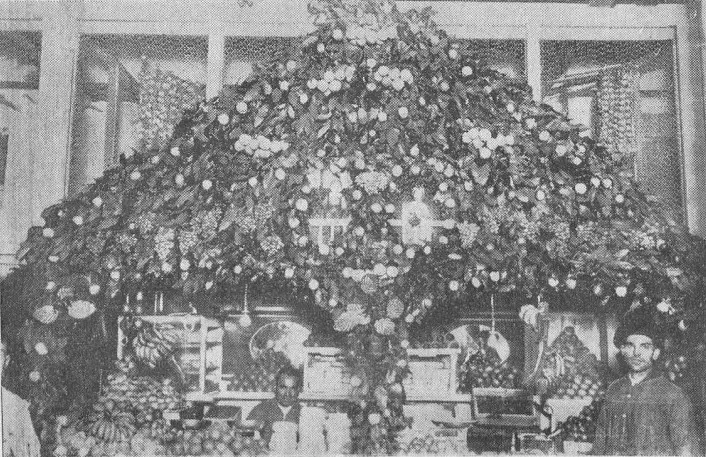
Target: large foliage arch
<point>377,169</point>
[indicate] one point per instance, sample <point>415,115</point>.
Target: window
<point>20,54</point>
<point>130,92</point>
<point>623,93</point>
<point>4,141</point>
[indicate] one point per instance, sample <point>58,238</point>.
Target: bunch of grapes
<point>145,223</point>
<point>559,245</point>
<point>126,241</point>
<point>187,240</point>
<point>531,231</point>
<point>164,242</point>
<point>206,223</point>
<point>263,213</point>
<point>245,221</point>
<point>272,245</point>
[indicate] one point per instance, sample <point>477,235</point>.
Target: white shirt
<point>285,410</point>
<point>18,436</point>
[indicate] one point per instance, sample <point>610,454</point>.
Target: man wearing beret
<point>643,413</point>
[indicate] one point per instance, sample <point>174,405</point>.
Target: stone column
<point>50,162</point>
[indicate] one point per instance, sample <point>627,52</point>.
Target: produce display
<point>217,439</point>
<point>571,367</point>
<point>486,369</point>
<point>259,375</point>
<point>582,427</point>
<point>129,409</point>
<point>579,386</point>
<point>110,422</point>
<point>155,342</point>
<point>160,438</point>
<point>143,396</point>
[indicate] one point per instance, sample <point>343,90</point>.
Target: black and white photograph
<point>352,227</point>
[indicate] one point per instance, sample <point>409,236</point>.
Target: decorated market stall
<point>437,253</point>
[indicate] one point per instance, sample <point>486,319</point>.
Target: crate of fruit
<point>432,373</point>
<point>326,374</point>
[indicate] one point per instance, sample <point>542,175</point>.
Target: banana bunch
<point>154,343</point>
<point>529,314</point>
<point>111,426</point>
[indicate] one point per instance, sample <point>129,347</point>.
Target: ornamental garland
<point>163,97</point>
<point>379,169</point>
<point>618,99</point>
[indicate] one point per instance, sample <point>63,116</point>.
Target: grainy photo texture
<point>366,227</point>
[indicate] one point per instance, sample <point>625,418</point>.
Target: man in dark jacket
<point>643,413</point>
<point>284,407</point>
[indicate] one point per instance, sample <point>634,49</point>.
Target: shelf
<point>192,319</point>
<point>310,396</point>
<point>499,392</point>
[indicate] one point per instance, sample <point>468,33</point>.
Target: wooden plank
<point>215,63</point>
<point>533,56</point>
<point>690,110</point>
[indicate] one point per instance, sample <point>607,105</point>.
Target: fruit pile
<point>582,427</point>
<point>110,422</point>
<point>161,439</point>
<point>143,396</point>
<point>155,342</point>
<point>676,367</point>
<point>567,354</point>
<point>259,375</point>
<point>218,439</point>
<point>571,367</point>
<point>486,369</point>
<point>579,386</point>
<point>75,442</point>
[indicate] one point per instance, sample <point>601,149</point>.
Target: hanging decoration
<point>163,98</point>
<point>618,109</point>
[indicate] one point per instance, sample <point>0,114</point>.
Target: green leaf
<point>393,136</point>
<point>107,222</point>
<point>322,131</point>
<point>185,196</point>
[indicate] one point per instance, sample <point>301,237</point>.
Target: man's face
<point>287,390</point>
<point>639,352</point>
